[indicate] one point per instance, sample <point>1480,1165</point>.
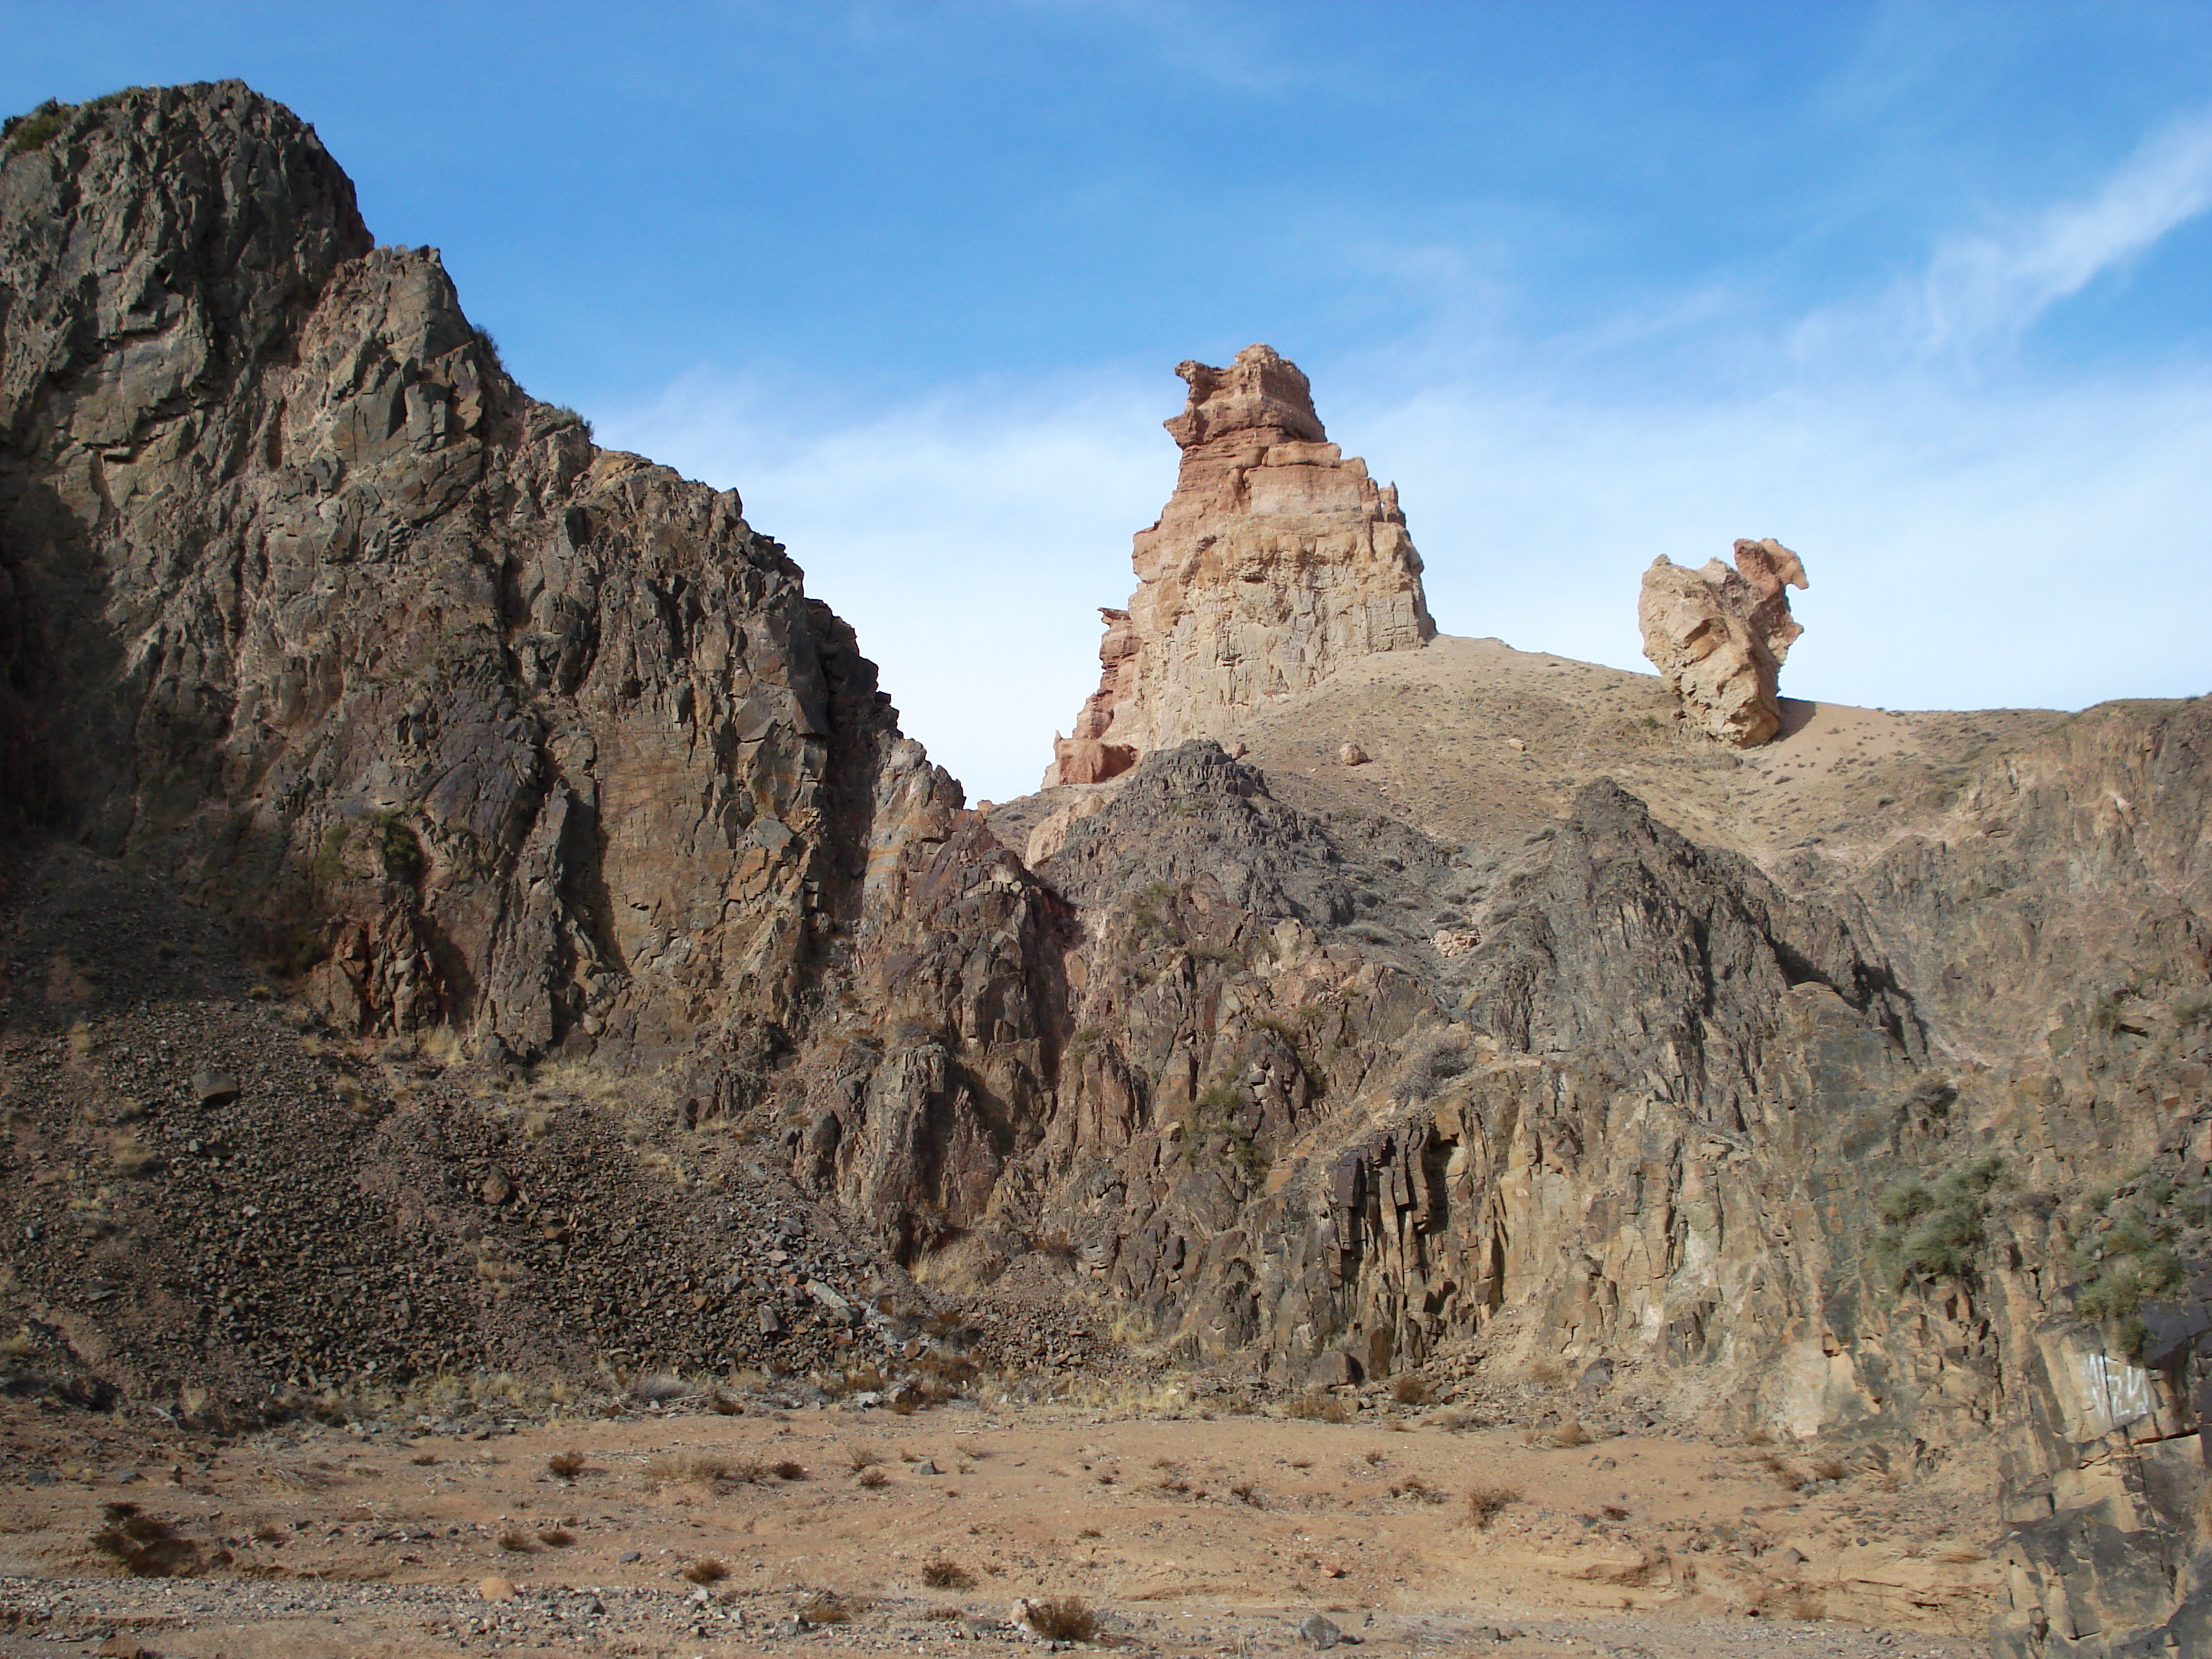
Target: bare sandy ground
<point>1182,1534</point>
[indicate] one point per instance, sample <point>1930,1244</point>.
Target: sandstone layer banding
<point>1276,560</point>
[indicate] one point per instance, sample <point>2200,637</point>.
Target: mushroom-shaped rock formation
<point>1276,559</point>
<point>1719,637</point>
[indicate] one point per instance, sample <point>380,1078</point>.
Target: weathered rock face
<point>307,606</point>
<point>1276,560</point>
<point>1719,637</point>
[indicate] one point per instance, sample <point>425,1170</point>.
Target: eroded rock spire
<point>1276,560</point>
<point>1719,637</point>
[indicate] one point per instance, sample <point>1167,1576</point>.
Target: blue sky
<point>1926,290</point>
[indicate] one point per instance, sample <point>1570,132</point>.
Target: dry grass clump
<point>1413,1486</point>
<point>787,1470</point>
<point>556,1538</point>
<point>947,1575</point>
<point>1827,1469</point>
<point>424,1460</point>
<point>705,1570</point>
<point>941,1612</point>
<point>1486,1504</point>
<point>1317,1407</point>
<point>565,1466</point>
<point>1245,1493</point>
<point>147,1547</point>
<point>873,1479</point>
<point>702,1469</point>
<point>825,1607</point>
<point>518,1541</point>
<point>861,1457</point>
<point>1063,1619</point>
<point>1789,1601</point>
<point>1408,1389</point>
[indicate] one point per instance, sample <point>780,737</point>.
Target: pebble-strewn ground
<point>823,1527</point>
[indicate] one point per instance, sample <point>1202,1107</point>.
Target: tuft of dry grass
<point>1486,1504</point>
<point>1413,1486</point>
<point>787,1470</point>
<point>1090,1532</point>
<point>565,1466</point>
<point>1408,1389</point>
<point>1245,1493</point>
<point>1827,1469</point>
<point>556,1538</point>
<point>873,1479</point>
<point>424,1460</point>
<point>947,1575</point>
<point>1063,1619</point>
<point>941,1612</point>
<point>825,1607</point>
<point>705,1570</point>
<point>1318,1407</point>
<point>698,1469</point>
<point>515,1539</point>
<point>861,1457</point>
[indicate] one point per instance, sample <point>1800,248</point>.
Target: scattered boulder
<point>1719,637</point>
<point>1351,754</point>
<point>211,1087</point>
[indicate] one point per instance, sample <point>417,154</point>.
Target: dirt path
<point>1181,1534</point>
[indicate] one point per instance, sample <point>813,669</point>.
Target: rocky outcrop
<point>1719,637</point>
<point>1276,560</point>
<point>306,605</point>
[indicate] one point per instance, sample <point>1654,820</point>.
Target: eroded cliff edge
<point>1893,1133</point>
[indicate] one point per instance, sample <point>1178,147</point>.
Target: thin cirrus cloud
<point>1962,517</point>
<point>1981,291</point>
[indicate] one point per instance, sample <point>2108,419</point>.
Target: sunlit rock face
<point>1719,637</point>
<point>1276,560</point>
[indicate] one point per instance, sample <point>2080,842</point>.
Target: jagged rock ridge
<point>1276,560</point>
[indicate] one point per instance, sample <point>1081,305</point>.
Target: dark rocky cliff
<point>476,732</point>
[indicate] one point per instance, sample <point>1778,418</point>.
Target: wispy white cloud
<point>1981,292</point>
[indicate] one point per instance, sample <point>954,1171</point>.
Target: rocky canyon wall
<point>1900,1140</point>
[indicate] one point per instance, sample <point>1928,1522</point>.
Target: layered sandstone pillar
<point>1275,561</point>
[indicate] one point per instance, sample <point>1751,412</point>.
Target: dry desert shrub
<point>1827,1469</point>
<point>941,1612</point>
<point>1245,1493</point>
<point>1318,1407</point>
<point>874,1479</point>
<point>1413,1486</point>
<point>787,1470</point>
<point>1486,1504</point>
<point>825,1607</point>
<point>515,1539</point>
<point>565,1466</point>
<point>556,1538</point>
<point>698,1469</point>
<point>1063,1619</point>
<point>705,1570</point>
<point>947,1575</point>
<point>1408,1389</point>
<point>424,1460</point>
<point>1090,1532</point>
<point>861,1457</point>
